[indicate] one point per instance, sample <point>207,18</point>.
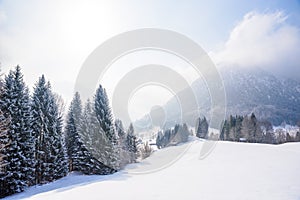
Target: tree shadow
<point>66,183</point>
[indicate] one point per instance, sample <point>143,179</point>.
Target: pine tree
<point>238,128</point>
<point>19,159</point>
<point>159,139</point>
<point>227,130</point>
<point>106,136</point>
<point>268,132</point>
<point>181,134</point>
<point>222,130</point>
<point>104,114</point>
<point>47,126</point>
<point>122,138</point>
<point>120,131</point>
<point>202,128</point>
<point>131,144</point>
<point>75,147</point>
<point>93,138</point>
<point>289,138</point>
<point>297,138</point>
<point>4,148</point>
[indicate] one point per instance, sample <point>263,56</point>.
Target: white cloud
<point>263,40</point>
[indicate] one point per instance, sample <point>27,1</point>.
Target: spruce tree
<point>93,139</point>
<point>73,141</point>
<point>19,153</point>
<point>104,114</point>
<point>106,136</point>
<point>47,127</point>
<point>297,138</point>
<point>4,149</point>
<point>131,144</point>
<point>120,131</point>
<point>202,128</point>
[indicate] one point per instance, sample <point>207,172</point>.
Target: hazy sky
<point>55,37</point>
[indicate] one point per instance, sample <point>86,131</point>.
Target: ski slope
<point>232,171</point>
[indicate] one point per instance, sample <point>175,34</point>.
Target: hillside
<point>247,90</point>
<point>231,171</point>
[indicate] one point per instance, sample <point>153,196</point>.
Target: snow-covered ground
<point>232,171</point>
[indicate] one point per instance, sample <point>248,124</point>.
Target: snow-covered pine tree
<point>202,128</point>
<point>255,133</point>
<point>238,128</point>
<point>122,136</point>
<point>120,132</point>
<point>104,114</point>
<point>4,148</point>
<point>86,125</point>
<point>19,154</point>
<point>182,134</point>
<point>107,137</point>
<point>93,138</point>
<point>72,138</point>
<point>131,144</point>
<point>47,127</point>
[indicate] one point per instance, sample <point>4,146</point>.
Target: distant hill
<point>247,90</point>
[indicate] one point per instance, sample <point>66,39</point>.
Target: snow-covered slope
<point>231,171</point>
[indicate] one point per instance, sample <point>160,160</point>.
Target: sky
<point>55,37</point>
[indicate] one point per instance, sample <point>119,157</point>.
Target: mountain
<point>269,97</point>
<point>247,90</point>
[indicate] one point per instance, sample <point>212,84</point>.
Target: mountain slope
<point>247,91</point>
<point>271,98</point>
<point>231,171</point>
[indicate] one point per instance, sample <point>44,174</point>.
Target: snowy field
<point>232,171</point>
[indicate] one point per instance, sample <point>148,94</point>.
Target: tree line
<point>37,147</point>
<point>250,129</point>
<point>235,128</point>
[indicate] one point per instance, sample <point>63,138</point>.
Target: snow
<point>232,171</point>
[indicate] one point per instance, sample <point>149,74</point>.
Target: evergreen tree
<point>268,133</point>
<point>178,134</point>
<point>289,138</point>
<point>106,138</point>
<point>19,152</point>
<point>297,138</point>
<point>122,138</point>
<point>226,130</point>
<point>87,132</point>
<point>76,149</point>
<point>202,128</point>
<point>246,128</point>
<point>94,139</point>
<point>4,148</point>
<point>222,130</point>
<point>181,134</point>
<point>131,144</point>
<point>159,139</point>
<point>238,128</point>
<point>104,114</point>
<point>120,131</point>
<point>47,126</point>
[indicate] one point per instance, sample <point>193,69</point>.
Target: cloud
<point>2,16</point>
<point>263,40</point>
